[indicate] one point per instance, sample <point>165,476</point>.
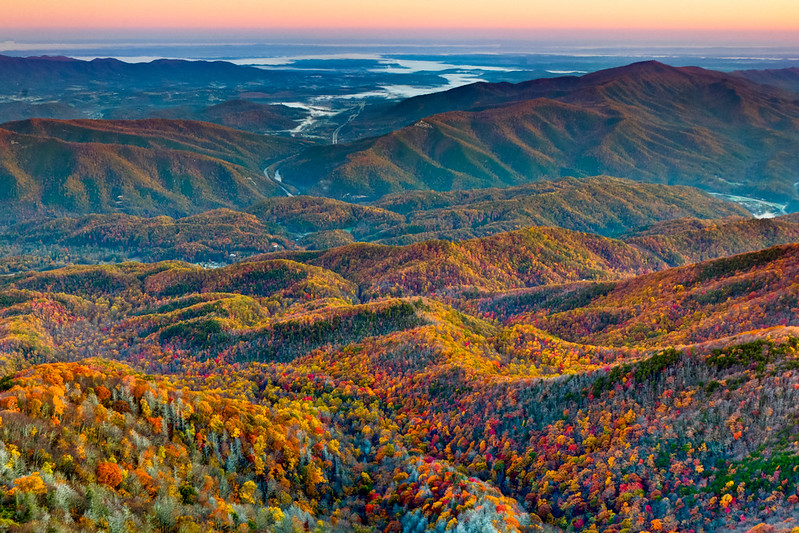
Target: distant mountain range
<point>67,88</point>
<point>647,121</point>
<point>31,73</point>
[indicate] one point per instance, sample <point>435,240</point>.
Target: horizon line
<point>366,29</point>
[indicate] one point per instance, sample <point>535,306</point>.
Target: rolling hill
<point>266,395</point>
<point>685,241</point>
<point>540,256</point>
<point>603,205</point>
<point>241,115</point>
<point>709,300</point>
<point>151,167</point>
<point>219,236</point>
<point>600,204</point>
<point>234,146</point>
<point>307,214</point>
<point>647,122</point>
<point>523,258</point>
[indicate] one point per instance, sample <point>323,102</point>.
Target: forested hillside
<point>647,121</point>
<point>604,205</point>
<point>273,394</point>
<point>153,167</point>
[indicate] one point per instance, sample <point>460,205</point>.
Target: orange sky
<point>782,15</point>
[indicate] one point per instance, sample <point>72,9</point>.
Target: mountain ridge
<point>603,205</point>
<point>51,167</point>
<point>648,121</point>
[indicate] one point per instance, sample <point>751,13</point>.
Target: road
<point>350,119</point>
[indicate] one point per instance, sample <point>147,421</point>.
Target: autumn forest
<point>498,335</point>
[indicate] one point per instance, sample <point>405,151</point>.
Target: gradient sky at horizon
<point>779,16</point>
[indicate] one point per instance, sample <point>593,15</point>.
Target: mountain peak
<point>642,68</point>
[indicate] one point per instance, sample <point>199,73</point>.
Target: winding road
<point>279,180</point>
<point>350,119</point>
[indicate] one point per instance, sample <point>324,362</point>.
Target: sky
<point>776,18</point>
